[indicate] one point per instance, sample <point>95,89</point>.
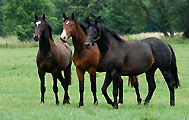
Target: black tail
<point>67,74</point>
<point>174,68</point>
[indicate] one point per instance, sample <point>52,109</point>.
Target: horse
<point>88,59</point>
<point>52,57</point>
<point>133,58</point>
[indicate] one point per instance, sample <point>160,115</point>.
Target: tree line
<point>122,16</point>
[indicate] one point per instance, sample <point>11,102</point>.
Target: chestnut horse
<point>53,57</point>
<point>133,58</point>
<point>88,59</point>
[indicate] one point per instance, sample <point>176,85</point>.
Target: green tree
<point>1,18</point>
<point>18,16</point>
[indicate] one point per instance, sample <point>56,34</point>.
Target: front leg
<point>92,72</point>
<point>55,88</point>
<point>42,79</point>
<point>80,75</point>
<point>116,77</point>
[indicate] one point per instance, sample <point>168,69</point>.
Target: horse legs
<point>151,84</point>
<point>170,82</point>
<point>107,82</point>
<point>136,86</point>
<point>92,73</point>
<point>55,88</point>
<point>121,91</point>
<point>80,75</point>
<point>65,86</point>
<point>43,89</point>
<point>116,77</point>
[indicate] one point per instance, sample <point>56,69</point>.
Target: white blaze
<point>38,23</point>
<point>67,22</point>
<point>64,36</point>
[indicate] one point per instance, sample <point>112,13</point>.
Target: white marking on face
<point>38,23</point>
<point>64,35</point>
<point>67,22</point>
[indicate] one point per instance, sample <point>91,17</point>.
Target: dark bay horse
<point>88,59</point>
<point>133,58</point>
<point>53,57</point>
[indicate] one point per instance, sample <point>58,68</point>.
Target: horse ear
<point>36,17</point>
<point>43,16</point>
<point>87,21</point>
<point>64,15</point>
<point>73,16</point>
<point>96,22</point>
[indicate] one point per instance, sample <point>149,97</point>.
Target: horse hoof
<point>139,102</point>
<point>96,103</point>
<point>42,102</point>
<point>66,102</point>
<point>115,105</point>
<point>57,103</point>
<point>146,102</point>
<point>119,104</point>
<point>80,105</point>
<point>172,103</point>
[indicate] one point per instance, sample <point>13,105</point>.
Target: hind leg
<point>92,73</point>
<point>43,89</point>
<point>65,86</point>
<point>136,86</point>
<point>151,84</point>
<point>121,91</point>
<point>67,75</point>
<point>55,88</point>
<point>170,82</point>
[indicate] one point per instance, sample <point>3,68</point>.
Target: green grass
<point>20,92</point>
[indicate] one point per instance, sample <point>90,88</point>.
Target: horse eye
<point>71,25</point>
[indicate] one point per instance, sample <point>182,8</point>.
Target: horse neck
<point>44,43</point>
<point>78,39</point>
<point>103,43</point>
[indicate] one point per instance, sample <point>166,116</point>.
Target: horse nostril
<point>87,45</point>
<point>64,38</point>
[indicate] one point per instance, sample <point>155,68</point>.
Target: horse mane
<point>82,25</point>
<point>50,31</point>
<point>113,33</point>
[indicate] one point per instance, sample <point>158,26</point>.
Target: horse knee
<point>55,89</point>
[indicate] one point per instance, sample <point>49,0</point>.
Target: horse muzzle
<point>88,45</point>
<point>36,37</point>
<point>63,40</point>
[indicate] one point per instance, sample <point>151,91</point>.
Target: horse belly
<point>138,65</point>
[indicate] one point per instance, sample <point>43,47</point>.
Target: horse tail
<point>174,70</point>
<point>132,81</point>
<point>67,74</point>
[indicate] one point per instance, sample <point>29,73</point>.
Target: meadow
<point>20,89</point>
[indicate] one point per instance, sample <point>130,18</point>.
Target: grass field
<point>20,92</point>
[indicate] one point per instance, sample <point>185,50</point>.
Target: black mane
<point>113,33</point>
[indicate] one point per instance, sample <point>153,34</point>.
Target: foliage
<point>122,16</point>
<point>19,16</point>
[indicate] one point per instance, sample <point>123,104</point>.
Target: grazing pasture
<point>20,92</point>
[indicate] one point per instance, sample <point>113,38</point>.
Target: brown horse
<point>88,59</point>
<point>133,58</point>
<point>53,57</point>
